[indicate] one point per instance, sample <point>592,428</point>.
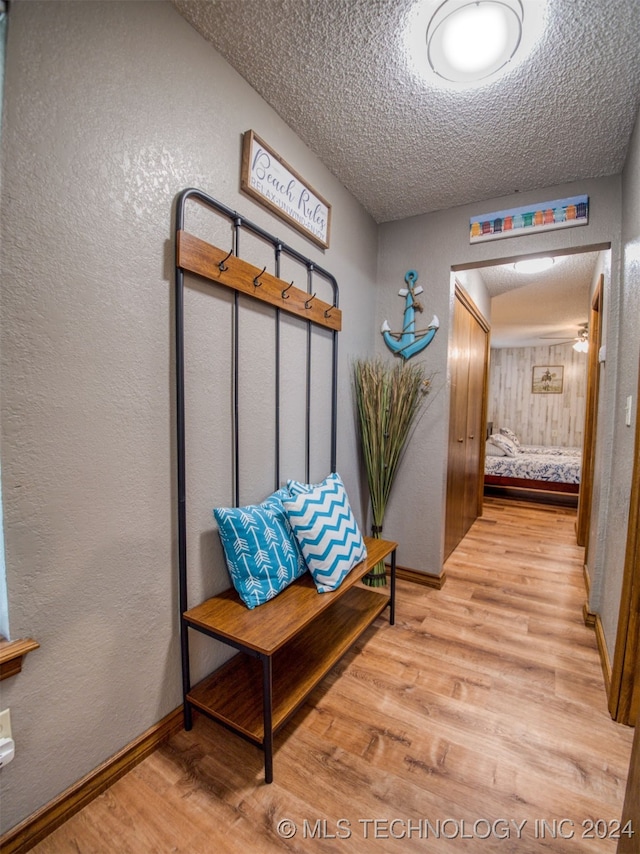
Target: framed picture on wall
<point>547,379</point>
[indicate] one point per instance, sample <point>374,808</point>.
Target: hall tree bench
<point>286,646</point>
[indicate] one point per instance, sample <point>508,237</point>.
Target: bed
<point>511,465</point>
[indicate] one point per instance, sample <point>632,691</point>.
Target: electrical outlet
<point>5,724</point>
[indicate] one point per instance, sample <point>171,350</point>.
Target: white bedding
<point>560,465</point>
<point>551,452</point>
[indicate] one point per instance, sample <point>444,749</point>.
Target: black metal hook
<point>285,295</point>
<point>256,281</point>
<point>328,311</point>
<point>222,266</point>
<point>308,302</point>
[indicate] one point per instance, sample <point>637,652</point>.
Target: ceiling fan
<point>581,340</point>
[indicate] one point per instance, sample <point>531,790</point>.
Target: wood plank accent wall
<point>538,419</point>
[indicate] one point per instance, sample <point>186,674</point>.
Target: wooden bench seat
<point>286,646</point>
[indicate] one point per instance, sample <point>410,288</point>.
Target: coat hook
<point>328,311</point>
<point>256,281</point>
<point>285,295</point>
<point>309,301</point>
<point>222,266</point>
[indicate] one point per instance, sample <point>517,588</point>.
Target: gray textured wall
<point>110,110</point>
<point>623,350</point>
<point>433,244</point>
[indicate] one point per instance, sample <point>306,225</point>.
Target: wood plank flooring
<point>477,723</point>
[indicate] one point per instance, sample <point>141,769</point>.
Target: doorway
<point>536,319</point>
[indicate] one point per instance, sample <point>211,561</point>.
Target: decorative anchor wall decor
<point>409,342</point>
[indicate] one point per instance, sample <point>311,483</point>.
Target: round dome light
<point>470,40</point>
<point>533,265</point>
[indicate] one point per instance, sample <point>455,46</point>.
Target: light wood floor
<point>484,704</point>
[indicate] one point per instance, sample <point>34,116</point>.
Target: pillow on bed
<point>262,555</point>
<point>326,530</point>
<point>504,443</point>
<point>504,431</point>
<point>493,450</point>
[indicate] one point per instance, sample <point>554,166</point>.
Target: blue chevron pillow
<point>326,530</point>
<point>262,555</point>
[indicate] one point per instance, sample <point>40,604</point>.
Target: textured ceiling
<point>545,309</point>
<point>339,73</point>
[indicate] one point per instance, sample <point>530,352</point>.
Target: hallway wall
<point>112,108</point>
<point>433,244</point>
<point>615,446</point>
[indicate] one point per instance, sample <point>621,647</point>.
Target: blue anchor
<point>409,342</point>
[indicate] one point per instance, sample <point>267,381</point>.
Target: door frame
<point>591,418</point>
<point>627,844</point>
<point>624,691</point>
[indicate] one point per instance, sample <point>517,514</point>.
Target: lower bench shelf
<point>304,634</point>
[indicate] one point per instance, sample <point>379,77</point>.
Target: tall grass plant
<point>389,398</point>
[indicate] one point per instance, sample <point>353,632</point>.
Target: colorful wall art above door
<point>529,219</point>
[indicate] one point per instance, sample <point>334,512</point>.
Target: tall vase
<point>377,576</point>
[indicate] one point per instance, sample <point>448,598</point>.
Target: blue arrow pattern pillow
<point>263,556</point>
<point>325,527</point>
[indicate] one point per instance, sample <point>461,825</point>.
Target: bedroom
<point>539,332</point>
<point>103,102</point>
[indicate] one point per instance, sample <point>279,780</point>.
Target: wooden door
<point>456,478</point>
<point>468,359</point>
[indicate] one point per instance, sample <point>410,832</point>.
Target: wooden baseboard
<point>605,661</point>
<point>593,621</point>
<point>588,616</point>
<point>44,821</point>
<point>587,579</point>
<point>406,574</point>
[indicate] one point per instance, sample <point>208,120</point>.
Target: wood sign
<point>271,181</point>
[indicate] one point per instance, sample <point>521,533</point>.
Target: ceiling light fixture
<point>470,40</point>
<point>533,265</point>
<point>582,341</point>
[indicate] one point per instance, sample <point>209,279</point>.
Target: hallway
<point>478,723</point>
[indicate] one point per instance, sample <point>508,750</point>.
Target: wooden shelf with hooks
<point>199,257</point>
